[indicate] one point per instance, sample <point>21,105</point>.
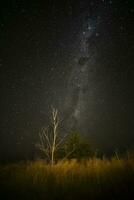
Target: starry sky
<point>77,56</point>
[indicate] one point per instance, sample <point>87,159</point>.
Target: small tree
<point>50,140</point>
<point>68,146</point>
<point>77,146</point>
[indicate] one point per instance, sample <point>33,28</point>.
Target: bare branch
<point>61,141</point>
<point>69,153</point>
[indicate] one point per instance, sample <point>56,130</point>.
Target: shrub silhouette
<point>76,146</point>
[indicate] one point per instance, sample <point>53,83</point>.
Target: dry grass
<point>92,179</point>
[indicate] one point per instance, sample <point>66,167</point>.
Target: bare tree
<point>49,139</point>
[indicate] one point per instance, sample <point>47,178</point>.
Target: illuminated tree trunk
<point>55,122</point>
<point>49,141</point>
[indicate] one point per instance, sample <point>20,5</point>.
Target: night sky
<point>77,56</point>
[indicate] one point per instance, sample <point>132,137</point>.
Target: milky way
<point>78,94</point>
<point>74,55</point>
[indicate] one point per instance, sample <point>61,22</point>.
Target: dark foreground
<point>69,180</point>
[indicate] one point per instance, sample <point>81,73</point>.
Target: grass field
<point>92,179</point>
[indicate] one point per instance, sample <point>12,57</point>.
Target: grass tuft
<point>70,179</point>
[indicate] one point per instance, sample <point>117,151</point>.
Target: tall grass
<point>90,179</point>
